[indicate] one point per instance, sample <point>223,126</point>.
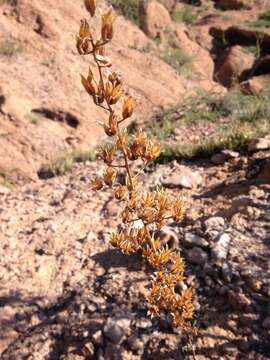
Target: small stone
<point>89,350</point>
<point>266,323</point>
<point>97,338</point>
<point>197,256</point>
<point>135,343</point>
<point>226,272</point>
<point>223,156</point>
<point>183,177</point>
<point>191,239</point>
<point>259,144</point>
<point>254,284</point>
<point>220,249</point>
<point>4,190</point>
<point>143,323</point>
<point>230,349</point>
<point>116,329</point>
<point>238,300</point>
<point>248,319</point>
<point>214,226</point>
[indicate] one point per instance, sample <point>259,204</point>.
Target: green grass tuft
<point>246,117</point>
<point>263,20</point>
<point>176,58</point>
<point>129,8</point>
<point>186,15</point>
<point>63,164</point>
<point>10,47</point>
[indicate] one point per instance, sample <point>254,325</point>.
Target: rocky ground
<point>64,292</point>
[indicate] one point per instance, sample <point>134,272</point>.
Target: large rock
<point>258,144</point>
<point>197,256</point>
<point>232,65</point>
<point>235,35</point>
<point>169,4</point>
<point>200,60</point>
<point>155,19</point>
<point>255,85</point>
<point>232,4</point>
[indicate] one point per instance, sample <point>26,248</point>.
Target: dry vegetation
<point>144,213</point>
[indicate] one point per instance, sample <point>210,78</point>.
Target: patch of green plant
<point>47,62</point>
<point>34,118</point>
<point>63,164</point>
<point>129,8</point>
<point>263,20</point>
<point>4,180</point>
<point>254,50</point>
<point>235,138</point>
<point>248,117</point>
<point>186,15</point>
<point>202,107</point>
<point>10,47</point>
<point>176,58</point>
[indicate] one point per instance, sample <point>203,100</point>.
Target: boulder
<point>264,176</point>
<point>232,65</point>
<point>255,85</point>
<point>201,62</point>
<point>168,4</point>
<point>197,256</point>
<point>258,144</point>
<point>155,19</point>
<point>261,66</point>
<point>192,239</point>
<point>235,35</point>
<point>232,4</point>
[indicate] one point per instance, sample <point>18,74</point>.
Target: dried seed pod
<point>178,210</point>
<point>128,107</point>
<point>85,31</point>
<point>119,192</point>
<point>107,20</point>
<point>91,6</point>
<point>96,183</point>
<point>89,86</point>
<point>107,154</point>
<point>109,176</point>
<point>152,151</point>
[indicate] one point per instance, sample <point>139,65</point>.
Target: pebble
<point>223,156</point>
<point>197,256</point>
<point>135,343</point>
<point>220,249</point>
<point>192,239</point>
<point>116,330</point>
<point>259,144</point>
<point>266,323</point>
<point>238,300</point>
<point>183,177</point>
<point>143,323</point>
<point>214,226</point>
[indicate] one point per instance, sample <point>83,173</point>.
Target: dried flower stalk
<point>151,209</point>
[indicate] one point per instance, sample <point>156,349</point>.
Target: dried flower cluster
<point>143,212</point>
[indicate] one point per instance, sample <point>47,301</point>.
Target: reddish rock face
<point>232,64</point>
<point>156,19</point>
<point>232,4</point>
